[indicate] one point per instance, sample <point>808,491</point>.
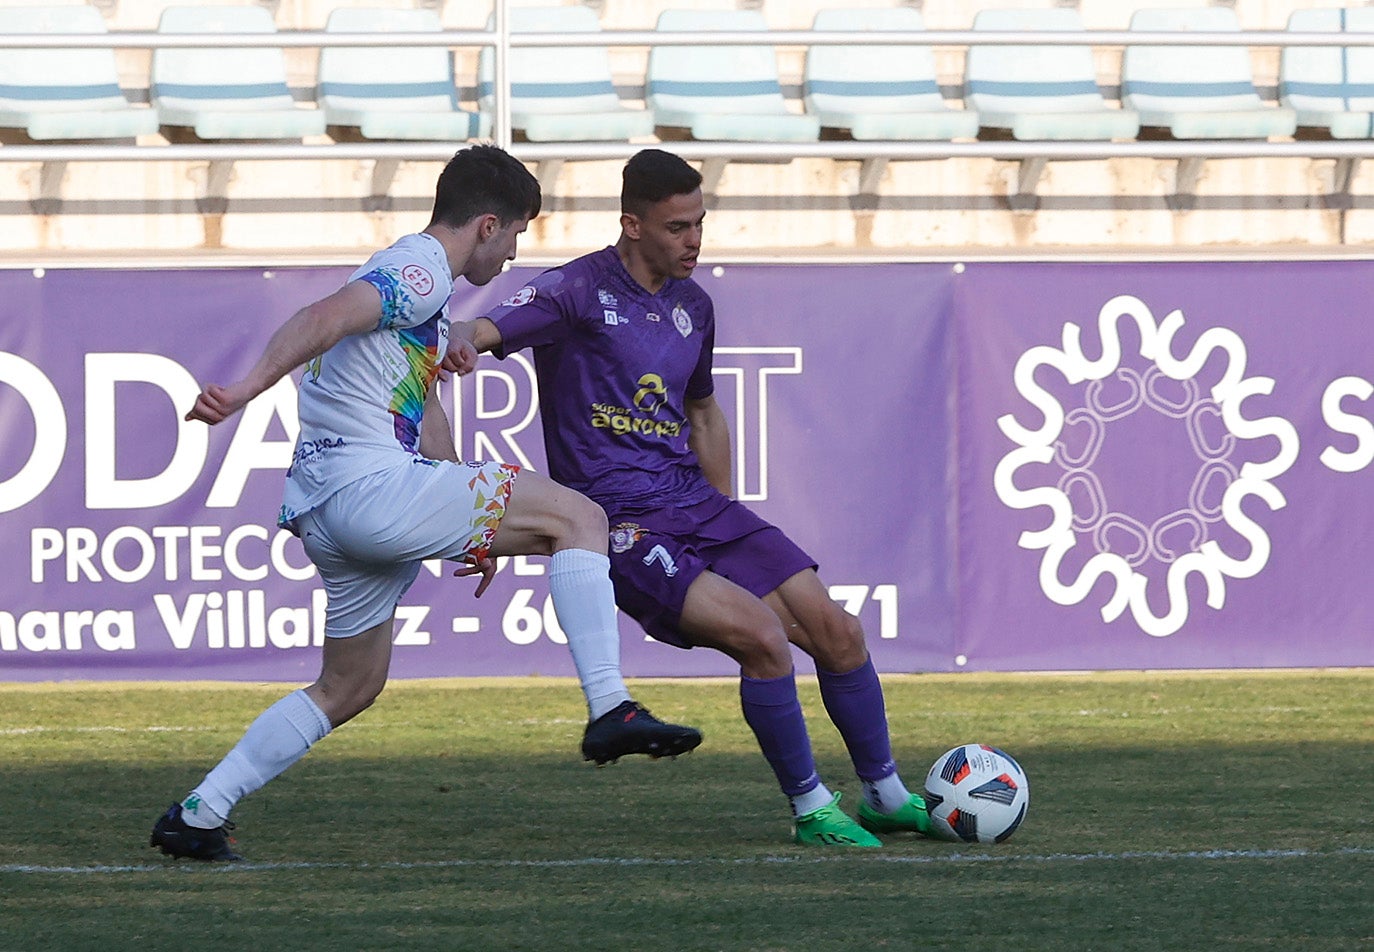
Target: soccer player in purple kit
<point>375,486</point>
<point>622,342</point>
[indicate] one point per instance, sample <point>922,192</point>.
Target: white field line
<point>590,861</point>
<point>157,729</point>
<point>103,729</point>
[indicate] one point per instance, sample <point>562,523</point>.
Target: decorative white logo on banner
<point>1212,485</point>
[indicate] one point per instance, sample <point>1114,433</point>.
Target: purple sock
<point>854,701</point>
<point>772,711</point>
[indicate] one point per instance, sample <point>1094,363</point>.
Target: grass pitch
<point>1176,811</point>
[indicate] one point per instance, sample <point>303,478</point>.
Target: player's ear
<point>488,226</point>
<point>630,225</point>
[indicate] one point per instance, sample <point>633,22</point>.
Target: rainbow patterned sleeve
<point>398,301</point>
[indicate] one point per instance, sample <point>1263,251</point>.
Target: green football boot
<point>831,826</point>
<point>911,817</point>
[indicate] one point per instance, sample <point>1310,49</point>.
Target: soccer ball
<point>976,793</point>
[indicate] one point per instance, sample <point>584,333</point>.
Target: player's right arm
<point>482,333</point>
<point>353,309</point>
<point>539,313</point>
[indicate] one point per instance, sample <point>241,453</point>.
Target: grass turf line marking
<point>954,858</point>
<point>102,729</point>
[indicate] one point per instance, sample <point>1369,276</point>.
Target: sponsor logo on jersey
<point>606,298</point>
<point>612,318</point>
<point>682,320</point>
<point>651,394</point>
<point>623,420</point>
<point>310,451</point>
<point>524,296</point>
<point>651,316</point>
<point>418,278</point>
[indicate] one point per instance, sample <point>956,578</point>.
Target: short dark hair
<point>652,175</point>
<point>484,179</point>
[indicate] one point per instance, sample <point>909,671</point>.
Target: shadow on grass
<point>539,851</point>
<point>335,806</point>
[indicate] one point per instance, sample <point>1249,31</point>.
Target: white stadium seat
<point>876,92</point>
<point>224,93</point>
<point>393,92</point>
<point>1197,92</point>
<point>65,94</point>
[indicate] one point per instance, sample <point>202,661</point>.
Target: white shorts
<point>368,539</point>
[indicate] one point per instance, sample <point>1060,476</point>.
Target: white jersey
<point>360,401</point>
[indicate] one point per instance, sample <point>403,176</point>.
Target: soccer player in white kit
<point>375,486</point>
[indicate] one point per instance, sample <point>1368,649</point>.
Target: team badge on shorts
<point>682,320</point>
<point>625,535</point>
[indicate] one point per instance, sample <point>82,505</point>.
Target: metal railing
<point>502,40</point>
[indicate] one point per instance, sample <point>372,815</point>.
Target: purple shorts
<point>657,554</point>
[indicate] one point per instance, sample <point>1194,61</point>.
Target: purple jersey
<point>615,366</point>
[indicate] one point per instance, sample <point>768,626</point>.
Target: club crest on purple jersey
<point>624,535</point>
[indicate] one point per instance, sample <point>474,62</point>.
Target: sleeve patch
<point>524,296</point>
<point>418,278</point>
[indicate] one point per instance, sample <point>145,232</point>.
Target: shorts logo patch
<point>682,320</point>
<point>524,296</point>
<point>418,278</point>
<point>625,535</point>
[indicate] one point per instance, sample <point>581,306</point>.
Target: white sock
<point>279,737</point>
<point>887,795</point>
<point>584,599</point>
<point>811,801</point>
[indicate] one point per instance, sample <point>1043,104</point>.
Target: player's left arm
<point>353,309</point>
<point>710,441</point>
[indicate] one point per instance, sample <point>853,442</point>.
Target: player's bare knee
<point>764,651</point>
<point>584,524</point>
<point>367,697</point>
<point>343,699</point>
<point>361,698</point>
<point>842,648</point>
<point>851,636</point>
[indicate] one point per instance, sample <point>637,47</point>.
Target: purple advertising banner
<point>998,466</point>
<point>1165,465</point>
<point>144,547</point>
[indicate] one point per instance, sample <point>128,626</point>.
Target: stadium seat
<point>1040,92</point>
<point>1331,88</point>
<point>879,92</point>
<point>561,95</point>
<point>223,93</point>
<point>1197,92</point>
<point>393,92</point>
<point>65,94</point>
<point>721,93</point>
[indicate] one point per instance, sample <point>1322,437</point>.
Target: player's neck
<point>638,269</point>
<point>458,245</point>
